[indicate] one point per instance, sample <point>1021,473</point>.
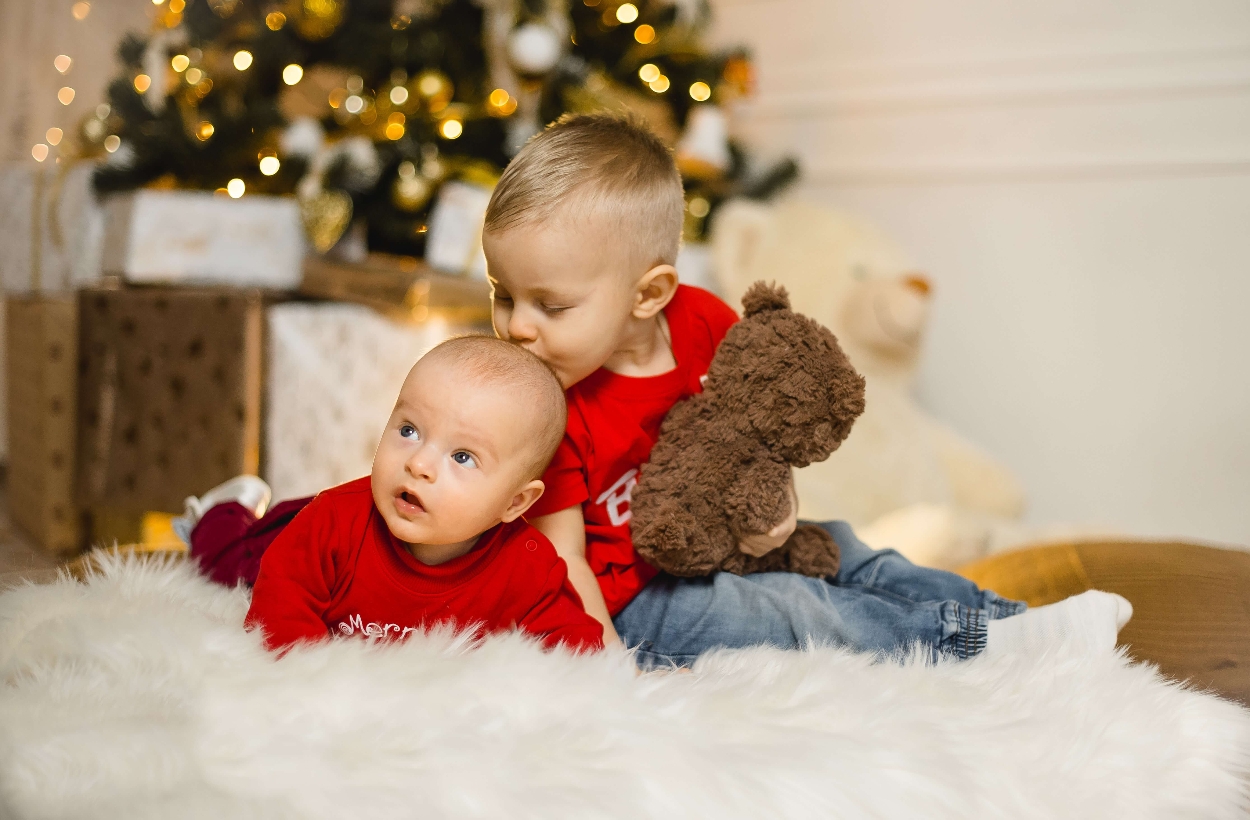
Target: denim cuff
<point>997,607</point>
<point>970,633</point>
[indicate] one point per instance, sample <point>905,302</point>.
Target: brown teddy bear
<point>780,393</point>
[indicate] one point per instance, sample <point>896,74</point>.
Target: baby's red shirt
<point>614,422</point>
<point>337,570</point>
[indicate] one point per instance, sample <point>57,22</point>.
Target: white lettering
<point>351,626</point>
<point>355,624</point>
<point>617,498</point>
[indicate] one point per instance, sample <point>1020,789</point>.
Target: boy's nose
<point>521,329</point>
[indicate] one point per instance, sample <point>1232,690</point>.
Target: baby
<point>581,238</point>
<point>435,535</point>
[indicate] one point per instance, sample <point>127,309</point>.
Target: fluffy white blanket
<point>138,695</point>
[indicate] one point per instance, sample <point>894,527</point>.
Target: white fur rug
<point>138,695</point>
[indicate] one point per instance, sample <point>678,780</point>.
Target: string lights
<point>64,95</point>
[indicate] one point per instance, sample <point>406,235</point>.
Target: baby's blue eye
<point>407,431</point>
<point>464,459</point>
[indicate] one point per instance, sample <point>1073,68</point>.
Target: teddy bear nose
<point>919,283</point>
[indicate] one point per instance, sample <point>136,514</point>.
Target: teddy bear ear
<point>764,296</point>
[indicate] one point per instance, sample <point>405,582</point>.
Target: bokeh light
<point>451,129</point>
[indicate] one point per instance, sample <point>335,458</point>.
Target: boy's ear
<point>523,500</point>
<point>654,291</point>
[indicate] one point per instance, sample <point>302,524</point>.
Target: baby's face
<point>563,291</point>
<point>452,457</point>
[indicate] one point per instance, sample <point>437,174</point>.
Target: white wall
<point>1075,176</point>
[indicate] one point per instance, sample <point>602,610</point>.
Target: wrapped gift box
<point>195,237</point>
<point>41,377</point>
<point>53,231</point>
<point>333,373</point>
<point>53,228</point>
<point>169,393</point>
<point>403,288</point>
<point>454,244</point>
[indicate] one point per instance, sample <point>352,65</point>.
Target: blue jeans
<point>879,601</point>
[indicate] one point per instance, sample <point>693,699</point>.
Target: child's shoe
<point>248,490</point>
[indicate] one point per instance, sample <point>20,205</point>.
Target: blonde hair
<point>605,165</point>
<point>493,361</point>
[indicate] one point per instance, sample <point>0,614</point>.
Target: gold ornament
<point>694,219</point>
<point>92,131</point>
<point>318,19</point>
<point>223,8</point>
<point>740,75</point>
<point>326,217</point>
<point>411,190</point>
<point>600,93</point>
<point>435,88</point>
<point>310,96</point>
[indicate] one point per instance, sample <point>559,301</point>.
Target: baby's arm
<point>567,531</point>
<point>558,616</point>
<point>293,588</point>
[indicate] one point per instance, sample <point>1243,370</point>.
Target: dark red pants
<point>229,541</point>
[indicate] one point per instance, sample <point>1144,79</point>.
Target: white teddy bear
<point>901,479</point>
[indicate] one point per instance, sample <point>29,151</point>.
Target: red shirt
<point>337,570</point>
<point>614,421</point>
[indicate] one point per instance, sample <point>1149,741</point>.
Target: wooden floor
<point>1191,603</point>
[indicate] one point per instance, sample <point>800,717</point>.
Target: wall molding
<point>1019,171</point>
<point>822,87</point>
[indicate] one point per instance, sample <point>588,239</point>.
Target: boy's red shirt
<point>614,422</point>
<point>337,570</point>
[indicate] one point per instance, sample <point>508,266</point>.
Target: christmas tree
<point>363,108</point>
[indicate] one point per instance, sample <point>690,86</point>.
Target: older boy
<point>435,535</point>
<point>581,236</point>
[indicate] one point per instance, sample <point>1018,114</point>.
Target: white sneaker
<point>249,490</point>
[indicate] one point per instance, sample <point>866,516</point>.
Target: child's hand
<point>764,543</point>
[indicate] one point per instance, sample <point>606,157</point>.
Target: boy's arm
<point>764,543</point>
<point>293,588</point>
<point>566,530</point>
